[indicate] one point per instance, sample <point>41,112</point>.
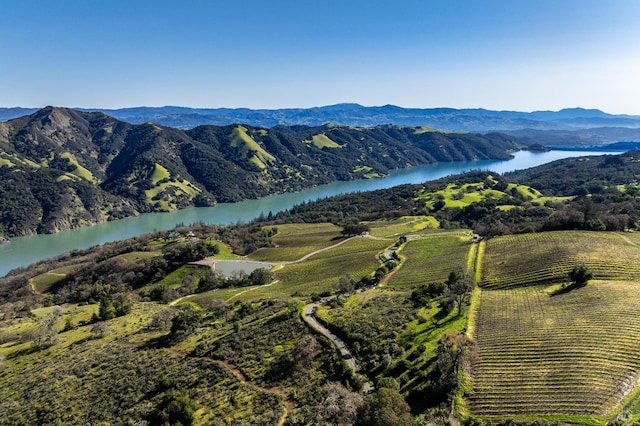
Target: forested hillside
<point>592,193</point>
<point>63,168</point>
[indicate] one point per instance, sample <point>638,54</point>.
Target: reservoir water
<point>22,251</point>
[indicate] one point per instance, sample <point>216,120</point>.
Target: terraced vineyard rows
<point>431,258</point>
<point>574,354</point>
<point>356,258</point>
<point>530,259</point>
<point>295,240</point>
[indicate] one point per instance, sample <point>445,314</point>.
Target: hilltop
<point>349,114</point>
<point>62,168</point>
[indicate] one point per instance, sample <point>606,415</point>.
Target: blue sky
<point>504,54</point>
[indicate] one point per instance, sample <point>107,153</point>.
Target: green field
<point>294,241</point>
<point>43,282</point>
<point>174,279</point>
<point>356,258</point>
<point>430,258</point>
<point>462,195</point>
<point>548,356</point>
<point>529,259</point>
<point>402,226</point>
<point>249,147</point>
<point>79,170</point>
<point>323,141</point>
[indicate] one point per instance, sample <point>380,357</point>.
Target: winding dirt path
<point>288,404</point>
<point>340,344</point>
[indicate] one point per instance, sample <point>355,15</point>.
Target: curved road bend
<point>342,346</point>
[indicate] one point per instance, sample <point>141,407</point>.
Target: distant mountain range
<point>476,120</point>
<point>62,168</point>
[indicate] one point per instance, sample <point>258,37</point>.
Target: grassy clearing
<point>248,146</point>
<point>402,226</point>
<point>167,201</point>
<point>204,299</point>
<point>137,255</point>
<point>323,141</point>
<point>565,355</point>
<point>79,170</point>
<point>159,173</point>
<point>462,195</point>
<point>4,162</point>
<point>175,279</point>
<point>43,282</point>
<point>431,258</point>
<point>529,259</point>
<point>293,241</point>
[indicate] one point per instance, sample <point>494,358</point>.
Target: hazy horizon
<point>315,106</point>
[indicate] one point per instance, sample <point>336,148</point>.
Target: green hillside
<point>445,324</point>
<point>75,168</point>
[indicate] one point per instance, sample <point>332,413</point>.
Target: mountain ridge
<point>353,114</point>
<point>61,168</point>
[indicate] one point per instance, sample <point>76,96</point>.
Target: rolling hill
<point>61,168</point>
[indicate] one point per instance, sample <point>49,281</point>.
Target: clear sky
<point>497,54</point>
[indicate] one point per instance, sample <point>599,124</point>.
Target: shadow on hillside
<point>567,288</point>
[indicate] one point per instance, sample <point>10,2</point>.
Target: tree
<point>338,405</point>
<point>580,274</point>
<point>351,229</point>
<point>100,329</point>
<point>184,323</point>
<point>106,311</point>
<point>345,285</point>
<point>452,352</point>
<point>305,350</point>
<point>261,276</point>
<point>176,408</point>
<point>45,334</point>
<point>122,304</point>
<point>384,408</point>
<point>162,319</point>
<point>460,287</point>
<point>219,308</point>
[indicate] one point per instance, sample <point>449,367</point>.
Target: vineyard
<point>320,272</point>
<point>570,357</point>
<point>295,240</point>
<point>545,258</point>
<point>431,258</point>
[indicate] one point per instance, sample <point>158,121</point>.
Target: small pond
<point>228,267</point>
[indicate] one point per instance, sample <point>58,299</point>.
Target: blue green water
<point>22,251</point>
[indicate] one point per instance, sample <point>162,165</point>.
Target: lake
<point>229,267</point>
<point>22,251</point>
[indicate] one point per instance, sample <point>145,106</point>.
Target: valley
<point>441,323</point>
<point>75,168</point>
